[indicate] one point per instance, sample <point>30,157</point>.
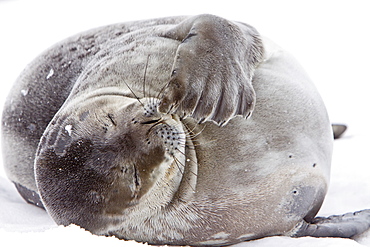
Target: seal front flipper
<point>344,226</point>
<point>213,69</point>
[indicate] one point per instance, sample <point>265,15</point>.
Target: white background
<point>330,38</point>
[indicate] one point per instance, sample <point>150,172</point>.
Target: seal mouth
<point>157,121</point>
<point>154,121</point>
<point>170,131</point>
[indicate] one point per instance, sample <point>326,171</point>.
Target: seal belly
<point>278,160</point>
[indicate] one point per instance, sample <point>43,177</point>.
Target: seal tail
<point>344,226</point>
<point>338,130</point>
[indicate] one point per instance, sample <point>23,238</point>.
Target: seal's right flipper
<point>212,70</point>
<point>344,226</point>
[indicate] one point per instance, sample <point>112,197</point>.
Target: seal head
<point>113,153</point>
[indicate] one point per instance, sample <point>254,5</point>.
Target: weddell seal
<point>144,130</point>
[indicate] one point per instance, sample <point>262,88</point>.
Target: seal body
<point>94,128</point>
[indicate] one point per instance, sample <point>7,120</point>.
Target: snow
<point>68,128</point>
<point>51,73</point>
<point>24,92</point>
<point>330,39</point>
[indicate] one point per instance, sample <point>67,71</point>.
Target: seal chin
<point>105,157</point>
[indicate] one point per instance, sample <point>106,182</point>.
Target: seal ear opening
<point>338,130</point>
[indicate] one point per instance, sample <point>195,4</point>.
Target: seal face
<point>116,153</point>
<point>118,130</point>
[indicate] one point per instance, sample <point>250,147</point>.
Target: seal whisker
<point>161,92</point>
<point>194,135</point>
<point>182,172</point>
<point>138,99</point>
<point>196,144</point>
<point>191,134</point>
<point>187,159</point>
<point>188,128</point>
<point>154,125</point>
<point>200,132</point>
<point>182,143</point>
<point>144,80</point>
<point>199,144</point>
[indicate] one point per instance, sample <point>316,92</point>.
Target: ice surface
<point>330,39</point>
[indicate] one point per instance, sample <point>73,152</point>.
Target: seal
<point>139,130</point>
